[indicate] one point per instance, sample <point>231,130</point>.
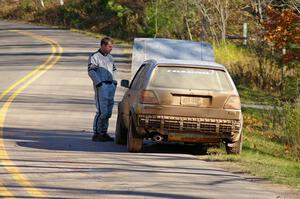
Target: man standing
<point>101,70</point>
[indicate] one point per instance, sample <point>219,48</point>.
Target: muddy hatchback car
<point>180,101</point>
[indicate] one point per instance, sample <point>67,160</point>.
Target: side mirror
<point>125,83</point>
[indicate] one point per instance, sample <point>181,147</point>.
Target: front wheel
<point>134,142</point>
<point>120,137</point>
<point>236,147</point>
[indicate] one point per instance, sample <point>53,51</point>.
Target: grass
<point>258,74</point>
<point>252,161</point>
<point>265,150</point>
<point>254,95</point>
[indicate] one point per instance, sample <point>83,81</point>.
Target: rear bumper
<point>190,129</point>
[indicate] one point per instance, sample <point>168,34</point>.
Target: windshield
<point>190,78</point>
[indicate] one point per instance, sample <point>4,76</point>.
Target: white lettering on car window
<point>190,72</point>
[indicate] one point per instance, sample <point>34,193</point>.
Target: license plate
<point>195,101</point>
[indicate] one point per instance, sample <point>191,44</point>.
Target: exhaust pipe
<point>158,138</point>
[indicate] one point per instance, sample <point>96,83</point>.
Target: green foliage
<point>230,54</point>
<point>291,127</point>
<point>291,87</point>
<point>27,5</point>
<point>168,18</point>
<point>119,9</point>
<point>253,95</point>
<point>247,68</point>
<point>256,69</point>
<point>84,14</point>
<point>277,130</point>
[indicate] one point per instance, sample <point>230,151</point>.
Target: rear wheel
<point>201,149</point>
<point>236,147</point>
<point>120,137</point>
<point>134,142</point>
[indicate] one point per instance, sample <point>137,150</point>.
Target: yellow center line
<point>27,80</point>
<point>4,192</point>
<point>34,71</point>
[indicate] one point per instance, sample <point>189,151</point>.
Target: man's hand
<point>99,84</point>
<point>115,82</point>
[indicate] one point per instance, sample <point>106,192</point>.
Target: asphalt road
<point>46,123</point>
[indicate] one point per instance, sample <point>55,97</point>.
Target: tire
<point>134,142</point>
<point>236,147</point>
<point>200,149</point>
<point>120,137</point>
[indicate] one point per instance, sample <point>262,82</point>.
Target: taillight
<point>148,97</point>
<point>233,102</point>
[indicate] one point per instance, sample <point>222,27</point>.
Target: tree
<point>221,6</point>
<point>282,30</point>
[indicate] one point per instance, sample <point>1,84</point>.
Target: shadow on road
<point>32,28</point>
<point>81,141</point>
<point>109,193</point>
<point>59,140</point>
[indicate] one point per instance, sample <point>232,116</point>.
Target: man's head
<point>106,45</point>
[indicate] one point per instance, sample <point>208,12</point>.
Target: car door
<point>131,95</point>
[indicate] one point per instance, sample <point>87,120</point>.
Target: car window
<point>143,76</point>
<point>190,78</point>
<point>135,81</point>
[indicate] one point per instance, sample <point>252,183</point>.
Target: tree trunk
<point>156,12</point>
<point>260,11</point>
<point>188,28</point>
<point>42,3</point>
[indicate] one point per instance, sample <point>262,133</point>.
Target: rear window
<point>190,78</point>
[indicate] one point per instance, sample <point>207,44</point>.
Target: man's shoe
<point>102,138</point>
<point>95,137</point>
<point>107,137</point>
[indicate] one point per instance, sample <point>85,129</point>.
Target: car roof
<point>192,63</point>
